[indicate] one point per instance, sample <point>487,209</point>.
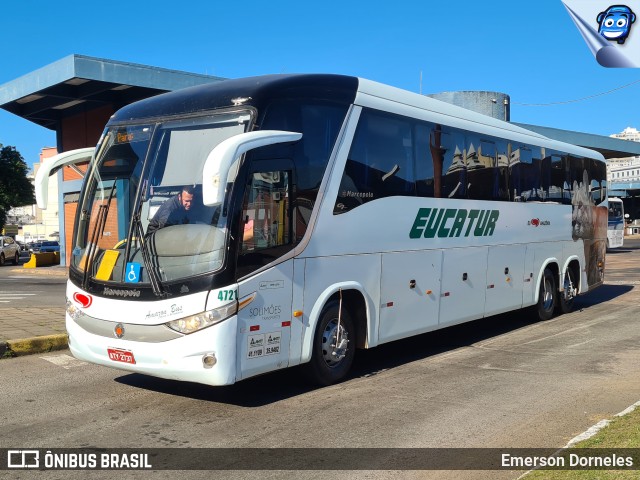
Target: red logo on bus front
<point>535,222</point>
<point>84,300</point>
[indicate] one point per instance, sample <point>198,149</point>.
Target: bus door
<point>264,324</point>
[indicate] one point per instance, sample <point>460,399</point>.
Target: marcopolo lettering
<point>453,222</point>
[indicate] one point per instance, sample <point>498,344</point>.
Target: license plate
<point>124,356</point>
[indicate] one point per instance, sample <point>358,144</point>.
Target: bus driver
<point>174,211</point>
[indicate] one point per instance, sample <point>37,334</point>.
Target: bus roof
<point>257,91</point>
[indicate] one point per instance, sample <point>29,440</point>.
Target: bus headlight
<point>73,311</point>
<point>203,320</point>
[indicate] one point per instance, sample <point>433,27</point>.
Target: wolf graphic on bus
<point>589,224</point>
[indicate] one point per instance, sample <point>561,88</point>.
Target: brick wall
<point>110,233</point>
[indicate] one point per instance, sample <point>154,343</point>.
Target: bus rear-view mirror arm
<point>220,160</point>
<point>52,165</point>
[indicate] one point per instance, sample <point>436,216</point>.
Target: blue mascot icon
<point>615,23</point>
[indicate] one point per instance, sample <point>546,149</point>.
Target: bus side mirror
<point>220,160</point>
<point>51,166</point>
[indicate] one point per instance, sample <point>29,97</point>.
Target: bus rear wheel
<point>547,297</point>
<point>333,346</point>
<point>566,297</point>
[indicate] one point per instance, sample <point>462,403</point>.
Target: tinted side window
<point>558,189</point>
<point>520,173</point>
<point>456,158</point>
<point>425,178</point>
<point>380,162</point>
<point>319,122</point>
<point>481,158</point>
<point>501,185</point>
<point>598,172</point>
<point>393,155</point>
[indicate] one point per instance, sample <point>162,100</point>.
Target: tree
<point>15,188</point>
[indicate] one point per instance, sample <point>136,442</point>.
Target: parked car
<point>49,246</point>
<point>9,250</point>
<point>34,247</point>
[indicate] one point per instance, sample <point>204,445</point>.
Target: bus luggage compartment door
<point>409,293</point>
<point>505,278</point>
<point>464,277</point>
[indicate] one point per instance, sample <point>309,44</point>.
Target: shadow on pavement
<point>288,383</point>
<point>602,294</point>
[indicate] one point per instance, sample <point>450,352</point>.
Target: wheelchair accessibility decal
<point>133,272</point>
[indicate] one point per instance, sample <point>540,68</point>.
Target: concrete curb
<point>29,346</point>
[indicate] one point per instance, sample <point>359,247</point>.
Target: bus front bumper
<point>207,356</point>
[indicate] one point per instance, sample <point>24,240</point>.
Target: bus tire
<point>567,296</point>
<point>547,298</point>
<point>330,363</point>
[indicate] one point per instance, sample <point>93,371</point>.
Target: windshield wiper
<point>156,284</point>
<point>101,221</point>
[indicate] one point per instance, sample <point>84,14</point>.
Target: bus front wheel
<point>334,346</point>
<point>547,297</point>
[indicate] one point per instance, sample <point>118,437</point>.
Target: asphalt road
<point>506,381</point>
<point>26,289</point>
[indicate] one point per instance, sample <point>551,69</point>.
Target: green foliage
<point>15,188</point>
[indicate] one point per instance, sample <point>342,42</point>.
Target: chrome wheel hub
<point>334,343</point>
<point>547,296</point>
<point>569,290</point>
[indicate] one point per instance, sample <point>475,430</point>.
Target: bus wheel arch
<point>329,362</point>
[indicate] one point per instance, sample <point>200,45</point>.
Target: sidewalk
<point>26,330</point>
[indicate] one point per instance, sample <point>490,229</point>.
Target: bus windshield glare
<point>135,231</point>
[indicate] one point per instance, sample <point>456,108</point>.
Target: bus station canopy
<point>77,84</point>
<point>609,147</point>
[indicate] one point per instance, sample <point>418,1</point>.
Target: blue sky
<point>530,50</point>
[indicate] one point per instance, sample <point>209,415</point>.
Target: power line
<point>577,99</point>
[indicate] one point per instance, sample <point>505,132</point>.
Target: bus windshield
<point>615,210</point>
<point>141,218</point>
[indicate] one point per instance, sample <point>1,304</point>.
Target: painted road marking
<point>64,361</point>
<point>8,296</point>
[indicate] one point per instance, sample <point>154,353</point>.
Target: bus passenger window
<point>455,161</point>
<point>520,165</point>
<point>501,172</point>
<point>380,162</point>
<point>425,181</point>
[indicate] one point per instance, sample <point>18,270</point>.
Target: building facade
<point>623,176</point>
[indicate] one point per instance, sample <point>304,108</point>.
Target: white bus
<point>328,214</point>
<point>615,231</point>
